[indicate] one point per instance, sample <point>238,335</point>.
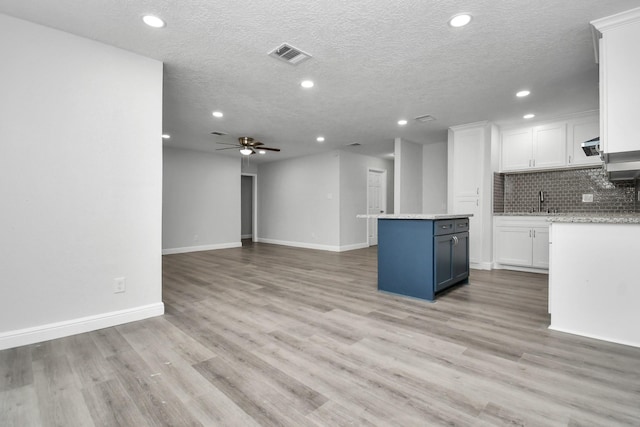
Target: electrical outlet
<point>119,285</point>
<point>587,198</point>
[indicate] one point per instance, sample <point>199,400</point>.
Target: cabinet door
<point>517,149</point>
<point>471,205</point>
<point>540,255</point>
<point>443,262</point>
<point>468,152</point>
<point>513,246</point>
<point>578,132</point>
<point>460,261</point>
<point>549,145</point>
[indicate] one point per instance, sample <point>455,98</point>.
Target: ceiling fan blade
<point>268,149</point>
<point>229,148</point>
<point>226,143</point>
<point>255,144</point>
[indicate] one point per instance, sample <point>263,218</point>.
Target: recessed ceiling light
<point>523,93</point>
<point>460,20</point>
<point>262,152</point>
<point>166,136</point>
<point>153,21</point>
<point>320,139</point>
<point>217,114</point>
<point>306,84</point>
<point>528,116</point>
<point>402,122</point>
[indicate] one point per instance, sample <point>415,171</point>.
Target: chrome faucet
<point>540,200</point>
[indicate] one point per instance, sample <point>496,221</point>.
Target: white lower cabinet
<point>522,241</point>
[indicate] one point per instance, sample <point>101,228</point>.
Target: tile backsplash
<point>563,191</point>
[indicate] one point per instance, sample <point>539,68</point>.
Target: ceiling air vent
<point>426,118</point>
<point>354,144</point>
<point>289,54</point>
<point>216,132</point>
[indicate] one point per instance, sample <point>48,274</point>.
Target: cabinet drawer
<point>461,225</point>
<point>444,226</point>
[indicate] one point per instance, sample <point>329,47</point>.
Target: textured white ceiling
<point>373,63</point>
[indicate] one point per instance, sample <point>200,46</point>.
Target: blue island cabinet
<point>421,257</point>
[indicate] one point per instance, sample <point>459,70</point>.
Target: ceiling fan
<point>247,146</point>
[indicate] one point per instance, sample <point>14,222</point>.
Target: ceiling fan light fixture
<point>245,151</point>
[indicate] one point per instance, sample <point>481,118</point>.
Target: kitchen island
<point>420,255</point>
<point>594,288</point>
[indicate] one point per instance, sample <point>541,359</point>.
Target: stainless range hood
<point>591,147</point>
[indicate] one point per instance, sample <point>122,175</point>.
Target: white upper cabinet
<point>538,147</point>
<point>619,89</point>
<point>579,131</point>
<point>517,149</point>
<point>549,145</point>
<point>468,152</point>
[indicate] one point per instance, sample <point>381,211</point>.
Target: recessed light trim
<point>402,122</point>
<point>523,93</point>
<point>460,20</point>
<point>166,136</point>
<point>320,139</point>
<point>153,21</point>
<point>307,84</point>
<point>528,116</point>
<point>217,114</point>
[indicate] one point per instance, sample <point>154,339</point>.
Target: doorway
<point>248,207</point>
<point>376,201</point>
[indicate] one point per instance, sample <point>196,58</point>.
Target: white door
<point>376,201</point>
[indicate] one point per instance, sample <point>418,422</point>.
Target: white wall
<point>298,201</point>
<point>201,201</point>
<point>408,177</point>
<point>80,184</point>
<point>353,196</point>
<point>434,178</point>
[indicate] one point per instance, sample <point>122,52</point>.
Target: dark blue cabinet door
<point>460,257</point>
<point>443,262</point>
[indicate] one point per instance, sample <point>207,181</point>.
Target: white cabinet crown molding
<point>610,22</point>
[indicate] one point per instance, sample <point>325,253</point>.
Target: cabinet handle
<point>569,159</point>
<point>534,234</point>
<point>478,191</point>
<point>534,162</point>
<point>455,240</point>
<point>529,233</point>
<point>477,202</point>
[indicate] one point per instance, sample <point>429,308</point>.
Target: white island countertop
<point>414,216</point>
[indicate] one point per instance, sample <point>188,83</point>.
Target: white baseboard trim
<point>172,251</point>
<point>353,247</point>
<point>65,328</point>
<point>315,246</point>
<point>480,265</point>
<point>497,266</point>
<point>246,236</point>
<point>597,337</point>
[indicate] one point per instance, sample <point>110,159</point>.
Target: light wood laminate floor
<point>275,336</point>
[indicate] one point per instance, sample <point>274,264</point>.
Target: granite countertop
<point>596,218</point>
<point>414,216</point>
